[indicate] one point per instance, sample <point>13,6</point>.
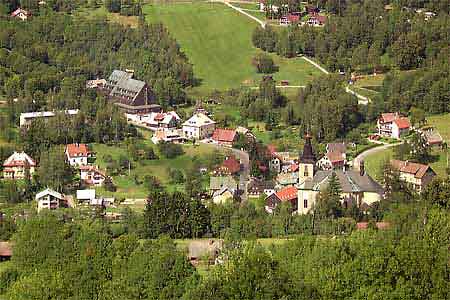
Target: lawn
<point>101,11</point>
<point>441,122</point>
<point>374,163</point>
<point>217,41</point>
<point>249,5</point>
<point>126,185</point>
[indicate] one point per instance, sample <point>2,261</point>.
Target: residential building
<point>357,186</point>
<point>216,183</point>
<point>50,199</point>
<point>230,166</point>
<point>21,14</point>
<point>85,195</point>
<point>316,20</point>
<point>95,83</point>
<point>155,121</point>
<point>287,194</point>
<point>199,127</point>
<point>224,137</point>
<point>16,166</point>
<point>78,154</point>
<point>223,195</point>
<point>393,125</point>
<point>91,175</point>
<point>258,187</point>
<point>416,175</point>
<point>131,95</point>
<point>27,118</point>
<point>168,135</point>
<point>335,158</point>
<point>432,138</point>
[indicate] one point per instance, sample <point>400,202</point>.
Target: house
<point>335,158</point>
<point>27,118</point>
<point>220,182</point>
<point>95,83</point>
<point>85,195</point>
<point>199,127</point>
<point>316,20</point>
<point>154,121</point>
<point>168,135</point>
<point>285,179</point>
<point>378,225</point>
<point>357,186</point>
<point>224,137</point>
<point>223,195</point>
<point>130,95</point>
<point>91,175</point>
<point>230,166</point>
<point>15,166</point>
<point>287,194</point>
<point>393,125</point>
<point>432,138</point>
<point>78,154</point>
<point>257,187</point>
<point>20,14</point>
<point>5,251</point>
<point>204,249</point>
<point>50,199</point>
<point>416,175</point>
<point>290,18</point>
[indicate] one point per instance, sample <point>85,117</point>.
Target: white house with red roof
<point>156,120</point>
<point>393,125</point>
<point>78,154</point>
<point>224,136</point>
<point>92,175</point>
<point>15,166</point>
<point>20,14</point>
<point>335,158</point>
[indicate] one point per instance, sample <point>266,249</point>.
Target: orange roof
<point>287,194</point>
<point>77,150</point>
<point>402,123</point>
<point>418,170</point>
<point>92,169</point>
<point>224,135</point>
<point>388,117</point>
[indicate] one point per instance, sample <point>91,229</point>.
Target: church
<point>357,186</point>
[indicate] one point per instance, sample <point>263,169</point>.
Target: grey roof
<point>336,147</point>
<point>217,183</point>
<point>204,248</point>
<point>123,80</point>
<point>351,181</point>
<point>256,183</point>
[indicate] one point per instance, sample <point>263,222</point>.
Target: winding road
<point>357,160</point>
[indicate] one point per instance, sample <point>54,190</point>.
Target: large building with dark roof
<point>357,186</point>
<point>131,95</point>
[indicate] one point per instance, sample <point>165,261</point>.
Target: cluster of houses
<point>311,15</point>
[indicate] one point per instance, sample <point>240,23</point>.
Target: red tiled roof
<point>418,170</point>
<point>293,18</point>
<point>159,117</point>
<point>18,11</point>
<point>402,123</point>
<point>224,135</point>
<point>321,19</point>
<point>232,165</point>
<point>388,117</point>
<point>287,194</point>
<point>77,150</point>
<point>380,225</point>
<point>293,167</point>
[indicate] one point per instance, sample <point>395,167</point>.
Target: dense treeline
<point>84,260</point>
<point>50,57</point>
<point>363,38</point>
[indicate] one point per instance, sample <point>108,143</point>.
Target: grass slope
<point>441,122</point>
<point>217,41</point>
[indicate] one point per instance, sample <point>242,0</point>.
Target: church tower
<point>307,163</point>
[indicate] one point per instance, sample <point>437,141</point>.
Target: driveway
<point>357,160</point>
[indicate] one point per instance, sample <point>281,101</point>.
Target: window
<point>305,203</point>
<point>305,172</point>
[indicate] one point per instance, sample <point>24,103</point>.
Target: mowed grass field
<point>217,41</point>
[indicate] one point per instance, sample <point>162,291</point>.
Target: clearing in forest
<point>217,40</point>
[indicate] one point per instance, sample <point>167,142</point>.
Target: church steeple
<point>307,163</point>
<point>308,156</point>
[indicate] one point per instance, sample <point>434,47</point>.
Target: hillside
<point>217,41</point>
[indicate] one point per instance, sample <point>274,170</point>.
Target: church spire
<point>308,156</point>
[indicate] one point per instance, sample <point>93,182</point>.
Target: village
<point>225,149</point>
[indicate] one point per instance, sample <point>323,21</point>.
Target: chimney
<point>362,170</point>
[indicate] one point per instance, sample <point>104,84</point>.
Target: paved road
<point>355,163</point>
